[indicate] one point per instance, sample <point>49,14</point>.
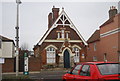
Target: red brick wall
<point>34,64</point>
<point>119,40</point>
<point>8,66</point>
<point>83,51</point>
<point>43,55</point>
<point>108,44</point>
<point>91,52</point>
<point>110,26</point>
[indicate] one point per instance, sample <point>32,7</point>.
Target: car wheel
<point>63,80</point>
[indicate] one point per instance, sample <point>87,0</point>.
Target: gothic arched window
<point>51,55</point>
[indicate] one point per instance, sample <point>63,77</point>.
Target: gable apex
<point>63,17</point>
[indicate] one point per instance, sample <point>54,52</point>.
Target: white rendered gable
<point>63,20</point>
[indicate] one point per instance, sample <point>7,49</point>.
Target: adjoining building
<point>62,45</point>
<point>104,44</point>
<point>7,54</point>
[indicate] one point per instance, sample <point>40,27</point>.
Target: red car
<point>94,71</point>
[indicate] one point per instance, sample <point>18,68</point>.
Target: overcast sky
<point>86,16</point>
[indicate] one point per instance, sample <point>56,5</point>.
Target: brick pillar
<point>50,20</point>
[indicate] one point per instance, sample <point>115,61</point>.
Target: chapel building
<point>62,45</point>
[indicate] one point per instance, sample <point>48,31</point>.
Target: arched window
<point>50,55</point>
<point>77,54</point>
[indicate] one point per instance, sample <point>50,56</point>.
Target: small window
<point>95,47</point>
<point>67,35</point>
<point>94,58</point>
<point>0,43</point>
<point>76,70</point>
<point>85,71</point>
<point>105,57</point>
<point>62,34</point>
<point>83,55</point>
<point>58,35</point>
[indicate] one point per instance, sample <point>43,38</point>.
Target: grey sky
<point>86,16</point>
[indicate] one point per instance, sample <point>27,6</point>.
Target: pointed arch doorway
<point>66,59</point>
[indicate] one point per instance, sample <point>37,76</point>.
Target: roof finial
<point>53,6</point>
<point>62,8</point>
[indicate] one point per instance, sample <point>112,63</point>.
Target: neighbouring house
<point>62,45</point>
<point>104,44</point>
<point>7,54</point>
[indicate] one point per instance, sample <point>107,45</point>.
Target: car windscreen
<point>108,68</point>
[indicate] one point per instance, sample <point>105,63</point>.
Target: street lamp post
<point>17,38</point>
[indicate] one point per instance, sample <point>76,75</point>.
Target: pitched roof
<point>110,20</point>
<point>6,39</point>
<point>95,37</point>
<point>54,26</point>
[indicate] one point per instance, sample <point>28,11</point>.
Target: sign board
<point>26,64</point>
<point>2,61</point>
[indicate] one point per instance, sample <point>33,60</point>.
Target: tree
<point>24,46</point>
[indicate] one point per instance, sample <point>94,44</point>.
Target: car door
<point>84,74</point>
<point>71,76</point>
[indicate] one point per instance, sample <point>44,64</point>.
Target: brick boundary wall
<point>34,64</point>
<point>8,66</point>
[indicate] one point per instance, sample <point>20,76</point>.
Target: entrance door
<point>66,59</point>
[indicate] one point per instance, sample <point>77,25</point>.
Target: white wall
<point>7,50</point>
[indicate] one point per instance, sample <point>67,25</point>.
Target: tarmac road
<point>48,76</point>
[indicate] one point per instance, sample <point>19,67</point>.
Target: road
<point>54,75</point>
<point>48,76</point>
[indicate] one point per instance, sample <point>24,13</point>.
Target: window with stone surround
<point>63,34</point>
<point>51,55</point>
<point>58,35</point>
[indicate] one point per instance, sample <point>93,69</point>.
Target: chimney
<point>112,11</point>
<point>55,13</point>
<point>50,20</point>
